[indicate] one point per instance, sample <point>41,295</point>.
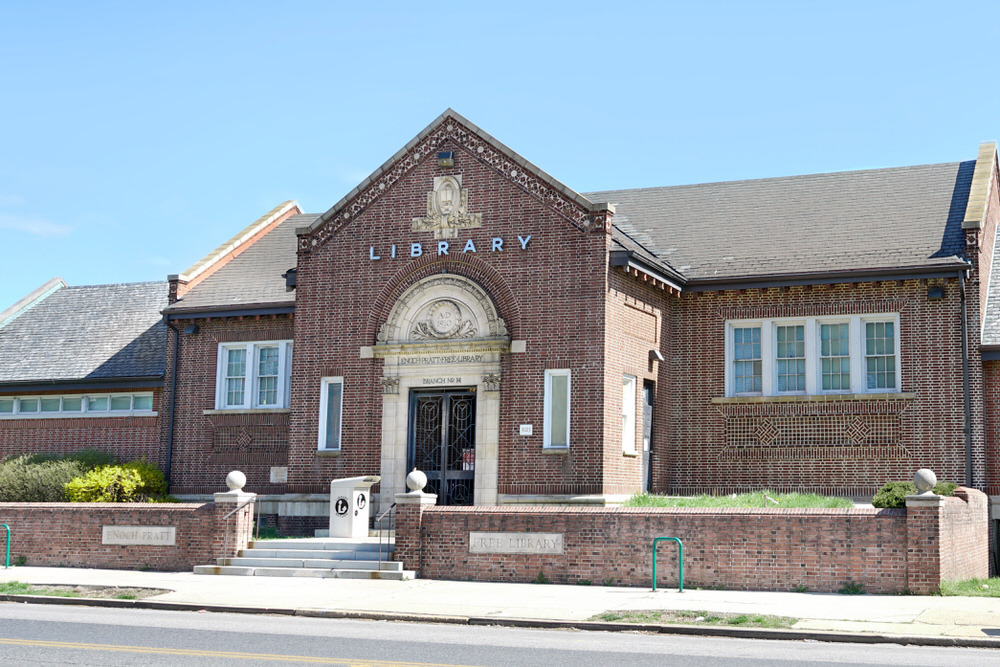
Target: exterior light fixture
<point>446,159</point>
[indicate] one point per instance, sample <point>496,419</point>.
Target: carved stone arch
<point>443,307</point>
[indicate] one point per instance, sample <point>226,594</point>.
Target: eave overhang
<point>675,283</point>
<point>244,310</point>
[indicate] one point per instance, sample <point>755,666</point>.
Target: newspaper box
<point>349,501</point>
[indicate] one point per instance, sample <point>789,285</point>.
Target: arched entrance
<point>441,347</point>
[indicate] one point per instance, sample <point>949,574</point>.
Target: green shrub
<point>87,458</point>
<point>22,481</point>
<point>154,484</point>
<point>108,484</point>
<point>893,494</point>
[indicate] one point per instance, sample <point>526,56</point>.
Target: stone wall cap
<point>416,498</point>
<point>233,497</point>
<point>925,500</point>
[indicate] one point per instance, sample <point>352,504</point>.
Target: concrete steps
<point>323,558</point>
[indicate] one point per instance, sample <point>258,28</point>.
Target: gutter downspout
<point>173,399</point>
<point>965,383</point>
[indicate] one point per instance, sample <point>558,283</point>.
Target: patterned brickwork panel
<point>823,430</point>
<point>243,439</point>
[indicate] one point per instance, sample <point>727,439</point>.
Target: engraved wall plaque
<point>156,536</point>
<point>515,543</point>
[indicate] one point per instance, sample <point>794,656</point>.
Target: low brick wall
<point>885,551</point>
<point>71,534</point>
<point>965,548</point>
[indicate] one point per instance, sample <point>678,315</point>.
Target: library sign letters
<point>447,213</point>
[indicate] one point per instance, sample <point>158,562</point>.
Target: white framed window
<point>253,375</point>
<point>856,354</point>
<point>331,410</point>
<point>557,402</point>
<point>628,414</point>
<point>75,405</point>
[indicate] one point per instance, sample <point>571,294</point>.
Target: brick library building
<point>462,312</point>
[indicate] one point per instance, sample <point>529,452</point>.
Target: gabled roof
<point>92,332</point>
<point>251,279</point>
<point>844,222</point>
<point>452,126</point>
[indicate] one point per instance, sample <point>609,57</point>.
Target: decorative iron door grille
<point>443,442</point>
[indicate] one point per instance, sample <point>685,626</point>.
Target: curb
<point>593,626</point>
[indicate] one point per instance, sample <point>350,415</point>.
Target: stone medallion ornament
<point>443,319</point>
<point>447,209</point>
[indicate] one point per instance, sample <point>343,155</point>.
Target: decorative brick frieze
<point>832,307</point>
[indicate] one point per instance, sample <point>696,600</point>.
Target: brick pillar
<point>233,531</point>
<point>924,514</point>
<point>410,508</point>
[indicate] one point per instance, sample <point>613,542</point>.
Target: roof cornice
<point>825,277</point>
<point>246,310</point>
<point>982,183</point>
<point>33,298</point>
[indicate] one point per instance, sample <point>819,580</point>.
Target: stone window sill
<point>555,450</point>
<point>327,452</point>
<point>817,398</point>
<point>630,454</point>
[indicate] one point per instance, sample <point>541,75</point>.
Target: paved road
<point>54,635</point>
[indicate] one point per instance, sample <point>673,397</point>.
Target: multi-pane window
<point>236,376</point>
<point>253,375</point>
<point>331,404</point>
<point>747,365</point>
<point>835,357</point>
<point>815,355</point>
<point>267,376</point>
<point>880,355</point>
<point>557,392</point>
<point>790,354</point>
<point>74,405</point>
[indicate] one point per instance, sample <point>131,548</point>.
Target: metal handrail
<point>378,520</point>
<point>7,566</point>
<point>225,544</point>
<point>242,505</point>
<point>680,560</point>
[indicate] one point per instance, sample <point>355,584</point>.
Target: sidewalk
<point>828,617</point>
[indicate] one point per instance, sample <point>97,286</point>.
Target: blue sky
<point>137,136</point>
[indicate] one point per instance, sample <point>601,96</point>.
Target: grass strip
<point>696,618</point>
<point>975,588</point>
<point>763,498</point>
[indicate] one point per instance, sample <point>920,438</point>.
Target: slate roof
<point>252,278</point>
<point>92,332</point>
<point>842,222</point>
<point>991,309</point>
<point>835,222</point>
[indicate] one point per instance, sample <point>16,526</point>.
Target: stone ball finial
<point>925,480</point>
<point>236,480</point>
<point>416,481</point>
